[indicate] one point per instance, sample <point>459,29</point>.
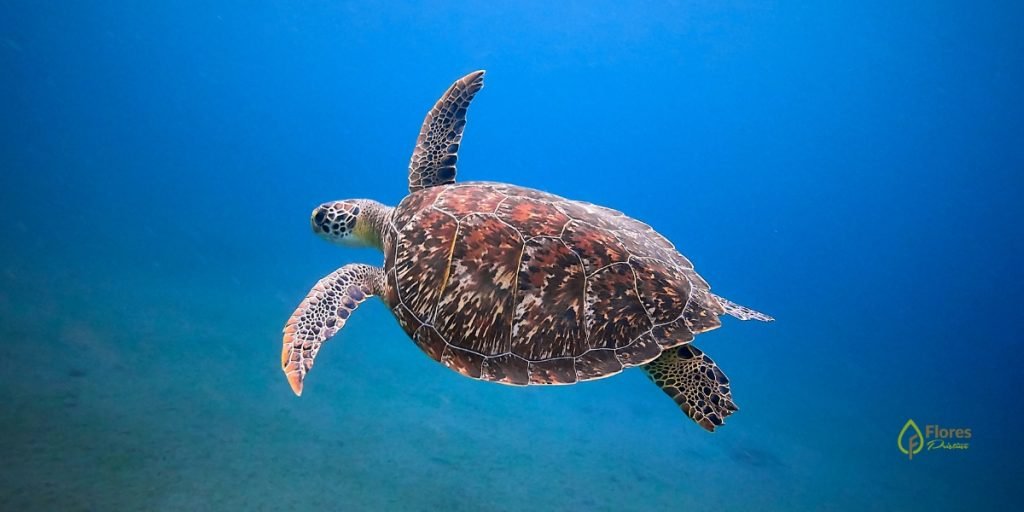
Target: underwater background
<point>851,168</point>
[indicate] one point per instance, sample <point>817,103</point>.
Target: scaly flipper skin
<point>694,381</point>
<point>437,148</point>
<point>742,312</point>
<point>322,314</point>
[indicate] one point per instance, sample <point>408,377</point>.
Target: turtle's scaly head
<point>351,222</point>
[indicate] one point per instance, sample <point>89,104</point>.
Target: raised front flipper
<point>437,148</point>
<point>322,314</point>
<point>694,381</point>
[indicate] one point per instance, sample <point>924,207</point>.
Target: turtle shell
<point>518,286</point>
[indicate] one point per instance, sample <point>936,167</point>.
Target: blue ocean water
<point>852,169</point>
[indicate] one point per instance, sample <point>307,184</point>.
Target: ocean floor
<point>168,396</point>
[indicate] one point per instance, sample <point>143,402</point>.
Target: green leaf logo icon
<point>913,443</point>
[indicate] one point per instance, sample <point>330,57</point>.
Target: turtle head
<point>352,222</point>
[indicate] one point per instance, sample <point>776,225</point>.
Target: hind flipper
<point>741,312</point>
<point>696,384</point>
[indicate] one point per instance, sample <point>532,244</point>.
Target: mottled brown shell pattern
<point>518,286</point>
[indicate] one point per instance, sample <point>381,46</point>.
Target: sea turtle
<point>513,285</point>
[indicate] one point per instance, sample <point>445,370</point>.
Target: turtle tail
<point>741,312</point>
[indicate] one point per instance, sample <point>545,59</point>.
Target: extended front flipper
<point>322,314</point>
<point>694,381</point>
<point>437,148</point>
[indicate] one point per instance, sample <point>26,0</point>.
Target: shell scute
<point>672,334</point>
<point>552,371</point>
<point>429,341</point>
<point>643,240</point>
<point>597,363</point>
<point>700,318</point>
<point>664,291</point>
<point>615,315</point>
<point>532,217</point>
<point>421,263</point>
<point>549,318</point>
<point>465,200</point>
<point>642,350</point>
<point>463,361</point>
<point>512,190</point>
<point>475,308</point>
<point>578,210</point>
<point>596,247</point>
<point>506,369</point>
<point>413,204</point>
